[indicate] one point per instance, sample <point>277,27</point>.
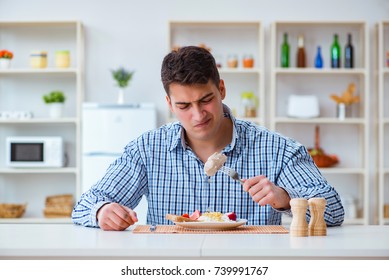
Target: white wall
<point>134,34</point>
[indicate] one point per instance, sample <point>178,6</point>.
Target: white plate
<point>212,226</point>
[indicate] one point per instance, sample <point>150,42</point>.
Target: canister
<point>62,59</point>
<point>248,61</point>
<point>248,105</point>
<point>38,59</point>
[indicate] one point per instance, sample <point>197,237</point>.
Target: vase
<point>5,63</point>
<point>56,110</point>
<point>120,99</point>
<point>343,111</point>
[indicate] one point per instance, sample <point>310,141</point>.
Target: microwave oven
<point>34,151</point>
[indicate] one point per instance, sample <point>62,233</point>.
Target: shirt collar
<point>179,133</point>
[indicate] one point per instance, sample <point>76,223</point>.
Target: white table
<point>68,241</point>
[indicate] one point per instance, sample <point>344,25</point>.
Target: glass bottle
<point>335,53</point>
<point>349,53</point>
<point>300,52</point>
<point>285,52</point>
<point>318,58</point>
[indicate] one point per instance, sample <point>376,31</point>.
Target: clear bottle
<point>335,53</point>
<point>318,58</point>
<point>285,52</point>
<point>301,52</point>
<point>349,53</point>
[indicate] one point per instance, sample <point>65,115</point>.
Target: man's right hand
<point>113,216</point>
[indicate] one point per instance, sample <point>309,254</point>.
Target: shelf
<point>36,221</point>
<point>383,121</point>
<point>40,121</point>
<point>357,121</point>
<point>226,38</point>
<point>64,170</point>
<point>22,88</point>
<point>16,71</point>
<point>340,170</point>
<point>225,70</point>
<point>348,137</point>
<point>320,71</point>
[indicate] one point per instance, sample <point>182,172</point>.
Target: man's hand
<point>113,216</point>
<point>265,192</point>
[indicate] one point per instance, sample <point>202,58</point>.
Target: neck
<point>205,148</point>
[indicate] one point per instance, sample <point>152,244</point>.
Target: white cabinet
<point>21,89</point>
<point>226,40</point>
<point>383,121</point>
<point>348,138</point>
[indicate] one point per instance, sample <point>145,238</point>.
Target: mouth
<point>202,124</point>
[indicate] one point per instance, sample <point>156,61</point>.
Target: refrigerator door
<point>108,128</point>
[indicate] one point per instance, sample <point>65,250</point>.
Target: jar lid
<point>38,53</point>
<point>62,52</point>
<point>248,94</point>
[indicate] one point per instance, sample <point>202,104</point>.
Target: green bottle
<point>285,52</point>
<point>335,53</point>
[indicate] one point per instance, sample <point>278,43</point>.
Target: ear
<point>222,89</point>
<point>169,103</point>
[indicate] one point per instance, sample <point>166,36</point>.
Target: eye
<point>183,106</point>
<point>207,100</point>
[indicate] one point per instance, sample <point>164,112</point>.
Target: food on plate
<point>217,217</point>
<point>214,163</point>
<point>209,217</point>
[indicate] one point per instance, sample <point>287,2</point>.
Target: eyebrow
<point>201,99</point>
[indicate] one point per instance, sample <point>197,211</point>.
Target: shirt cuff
<point>93,213</point>
<point>292,194</point>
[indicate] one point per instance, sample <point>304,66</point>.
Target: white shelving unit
<point>383,120</point>
<point>348,139</point>
<point>21,89</point>
<point>224,39</point>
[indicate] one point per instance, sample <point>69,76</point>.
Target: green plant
<point>54,97</point>
<point>122,76</point>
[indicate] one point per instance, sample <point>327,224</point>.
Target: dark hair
<point>188,66</point>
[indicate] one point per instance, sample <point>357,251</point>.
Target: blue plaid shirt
<point>160,165</point>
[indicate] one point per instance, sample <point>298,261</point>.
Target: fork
<point>232,173</point>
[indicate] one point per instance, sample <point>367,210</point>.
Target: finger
<point>123,217</point>
<point>132,214</point>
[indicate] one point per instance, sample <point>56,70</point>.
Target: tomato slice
<point>186,215</point>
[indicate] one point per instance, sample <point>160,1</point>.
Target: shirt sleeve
<point>300,177</point>
<point>125,182</point>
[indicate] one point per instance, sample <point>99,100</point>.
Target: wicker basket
<point>63,199</point>
<point>10,210</point>
<point>58,206</point>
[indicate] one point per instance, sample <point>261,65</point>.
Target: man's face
<point>199,108</point>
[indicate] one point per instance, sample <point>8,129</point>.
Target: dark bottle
<point>349,53</point>
<point>300,52</point>
<point>335,53</point>
<point>318,58</point>
<point>285,52</point>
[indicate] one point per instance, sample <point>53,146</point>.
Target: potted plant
<point>5,59</point>
<point>122,78</point>
<point>55,100</point>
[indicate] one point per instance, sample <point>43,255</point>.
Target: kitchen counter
<point>68,241</point>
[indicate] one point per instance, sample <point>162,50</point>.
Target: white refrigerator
<point>106,130</point>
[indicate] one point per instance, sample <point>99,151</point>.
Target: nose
<point>198,112</point>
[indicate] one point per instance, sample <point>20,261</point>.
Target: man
<point>167,164</point>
